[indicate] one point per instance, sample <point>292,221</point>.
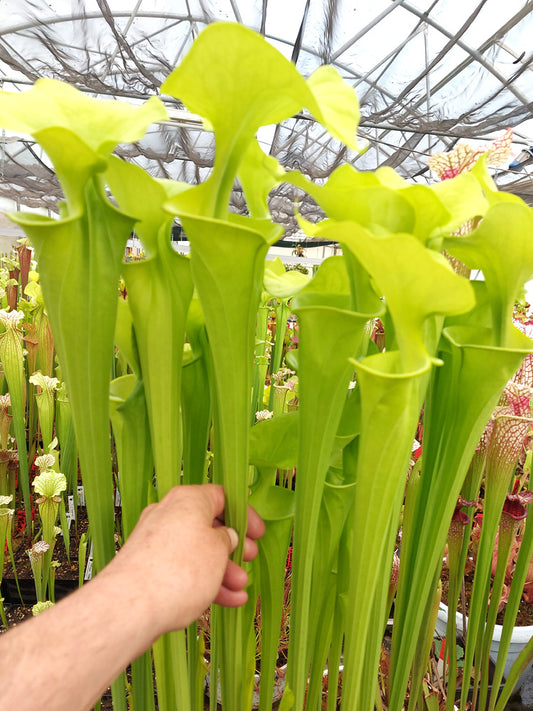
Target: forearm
<point>64,658</point>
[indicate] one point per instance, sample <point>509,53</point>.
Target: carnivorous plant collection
<point>188,333</point>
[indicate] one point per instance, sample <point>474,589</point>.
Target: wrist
<point>127,601</point>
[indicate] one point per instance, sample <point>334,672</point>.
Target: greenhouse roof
<point>428,74</point>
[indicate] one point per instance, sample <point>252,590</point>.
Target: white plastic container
<point>519,639</point>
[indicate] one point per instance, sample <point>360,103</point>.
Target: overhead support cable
<point>365,29</point>
<point>186,39</point>
<point>294,59</point>
<point>518,58</point>
<point>387,59</point>
<point>122,44</point>
<point>413,129</point>
<point>128,25</point>
<point>474,53</point>
<point>428,84</point>
<point>446,48</point>
<point>79,16</point>
<point>299,36</point>
<point>189,17</point>
<point>264,17</point>
<point>236,11</point>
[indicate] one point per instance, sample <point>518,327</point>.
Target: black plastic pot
<point>9,592</point>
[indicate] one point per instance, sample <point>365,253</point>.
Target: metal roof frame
<point>401,100</point>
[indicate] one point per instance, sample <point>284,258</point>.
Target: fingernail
<point>234,538</point>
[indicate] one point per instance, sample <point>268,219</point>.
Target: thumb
<point>232,537</point>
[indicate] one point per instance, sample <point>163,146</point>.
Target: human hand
<point>179,555</point>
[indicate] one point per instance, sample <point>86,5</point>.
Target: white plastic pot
<point>279,686</point>
<point>519,639</point>
<point>277,693</point>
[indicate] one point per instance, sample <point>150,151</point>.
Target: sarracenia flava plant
<point>79,258</point>
<point>229,279</point>
<point>450,347</point>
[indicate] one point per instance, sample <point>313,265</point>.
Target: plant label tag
<point>118,500</point>
<point>71,512</point>
<point>89,567</point>
<point>81,496</point>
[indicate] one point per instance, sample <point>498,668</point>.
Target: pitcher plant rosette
<point>194,334</point>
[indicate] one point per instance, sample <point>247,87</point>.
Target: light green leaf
<point>330,284</point>
<point>128,182</point>
<point>132,436</point>
<point>45,461</point>
<point>463,198</point>
<point>276,507</point>
<point>79,265</point>
<point>339,108</point>
<point>330,334</point>
<point>124,336</point>
<point>287,702</point>
<point>41,607</point>
<point>461,397</point>
<point>390,407</point>
<point>79,261</point>
<point>357,196</point>
<point>99,123</point>
<point>503,249</point>
<point>274,442</point>
<point>78,132</point>
<point>416,283</point>
<point>283,284</point>
<point>238,96</point>
<point>159,291</point>
<point>429,211</point>
<point>258,174</point>
<point>388,177</point>
<point>384,201</point>
<point>227,265</point>
<point>274,503</point>
<point>267,84</point>
<point>275,266</point>
<point>490,190</point>
<point>45,382</point>
<point>196,398</point>
<point>120,389</point>
<point>12,359</point>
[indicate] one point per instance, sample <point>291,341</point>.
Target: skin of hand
<point>180,549</point>
<point>174,564</point>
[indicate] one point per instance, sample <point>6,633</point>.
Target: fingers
<point>256,525</point>
<point>250,546</point>
<point>215,499</point>
<point>208,503</point>
<point>233,538</point>
<point>250,549</point>
<point>214,495</point>
<point>232,592</point>
<point>231,598</point>
<point>235,578</point>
